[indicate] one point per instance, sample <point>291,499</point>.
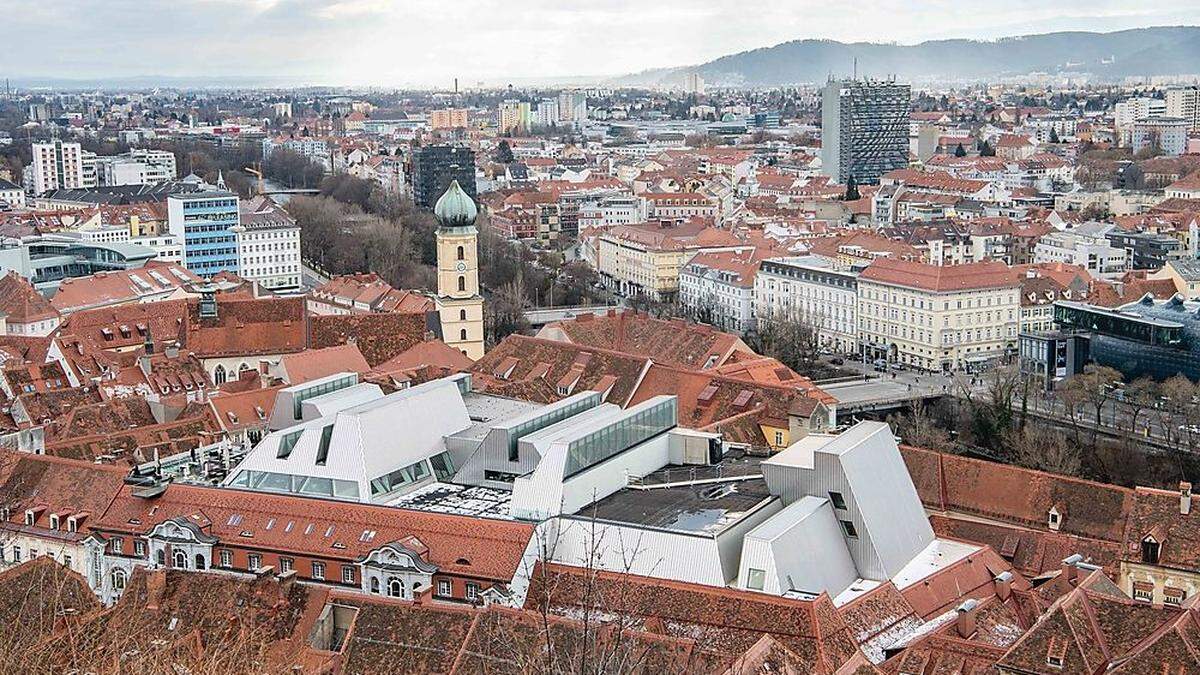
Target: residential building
<point>646,259</point>
<point>205,222</point>
<point>693,83</point>
<point>717,288</point>
<point>11,195</point>
<point>938,318</point>
<point>514,117</point>
<point>864,129</point>
<point>56,166</point>
<point>1146,250</point>
<point>459,302</point>
<point>572,107</point>
<point>1166,134</point>
<point>268,244</point>
<point>139,166</point>
<point>1132,109</point>
<point>1185,274</point>
<point>1086,246</point>
<point>812,289</point>
<point>1184,103</point>
<point>448,118</point>
<point>547,113</point>
<point>436,166</point>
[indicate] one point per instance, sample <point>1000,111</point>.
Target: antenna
<point>856,67</point>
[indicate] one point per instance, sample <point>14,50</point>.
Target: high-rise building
<point>864,129</point>
<point>436,166</point>
<point>693,83</point>
<point>514,116</point>
<point>205,222</point>
<point>458,300</point>
<point>448,118</point>
<point>1133,109</point>
<point>1185,104</point>
<point>572,107</point>
<point>268,244</point>
<point>547,113</point>
<point>137,167</point>
<point>57,166</point>
<point>1167,134</point>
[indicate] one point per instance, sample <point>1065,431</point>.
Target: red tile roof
<point>21,303</point>
<point>379,337</point>
<point>672,342</point>
<point>313,364</point>
<point>941,278</point>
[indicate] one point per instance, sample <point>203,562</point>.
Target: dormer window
<point>1054,518</point>
<point>29,517</point>
<point>53,521</point>
<point>1150,550</point>
<point>72,524</point>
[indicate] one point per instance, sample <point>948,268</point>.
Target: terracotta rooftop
<point>313,364</point>
<point>379,337</point>
<point>21,303</point>
<point>672,342</point>
<point>941,278</point>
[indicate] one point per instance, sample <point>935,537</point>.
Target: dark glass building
<point>436,166</point>
<point>1148,337</point>
<point>864,129</point>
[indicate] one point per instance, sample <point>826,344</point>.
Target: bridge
<point>540,317</point>
<point>291,191</point>
<point>877,395</point>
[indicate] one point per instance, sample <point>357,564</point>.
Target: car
<point>837,361</point>
<point>880,365</point>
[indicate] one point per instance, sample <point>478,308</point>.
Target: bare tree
<point>917,427</point>
<point>1046,450</point>
<point>792,336</point>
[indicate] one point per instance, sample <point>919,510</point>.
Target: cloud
<point>408,42</point>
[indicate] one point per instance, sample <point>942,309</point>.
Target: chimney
<point>1003,583</point>
<point>286,580</point>
<point>1185,498</point>
<point>965,622</point>
<point>1068,567</point>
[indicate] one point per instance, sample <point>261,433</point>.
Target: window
<point>200,562</point>
<point>848,528</point>
<point>139,548</point>
<point>395,588</point>
<point>53,521</point>
<point>286,564</point>
<point>219,375</point>
<point>161,557</point>
<point>318,570</point>
<point>472,591</point>
<point>444,588</point>
<point>179,560</point>
<point>755,579</point>
<point>118,579</point>
<point>117,545</point>
<point>1174,596</point>
<point>462,315</point>
<point>778,438</point>
<point>1143,592</point>
<point>29,517</point>
<point>254,561</point>
<point>347,574</point>
<point>462,284</point>
<point>462,334</point>
<point>226,558</point>
<point>461,253</point>
<point>839,502</point>
<point>1150,550</point>
<point>374,584</point>
<point>16,553</point>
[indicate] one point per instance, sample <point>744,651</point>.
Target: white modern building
<point>268,244</point>
<point>813,289</point>
<point>56,166</point>
<point>1086,246</point>
<point>137,167</point>
<point>1130,110</point>
<point>1167,134</point>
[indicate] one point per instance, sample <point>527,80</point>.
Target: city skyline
<point>371,42</point>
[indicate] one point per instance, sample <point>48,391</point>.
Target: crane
<point>257,171</point>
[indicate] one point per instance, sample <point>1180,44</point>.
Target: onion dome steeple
<point>455,208</point>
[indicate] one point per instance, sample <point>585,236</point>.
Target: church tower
<point>458,300</point>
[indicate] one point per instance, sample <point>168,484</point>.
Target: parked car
<point>837,361</point>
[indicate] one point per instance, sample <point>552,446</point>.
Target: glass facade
<point>299,397</point>
<point>209,245</point>
<point>390,482</point>
<point>270,481</point>
<point>557,414</point>
<point>612,440</point>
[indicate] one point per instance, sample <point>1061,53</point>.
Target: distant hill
<point>1168,50</point>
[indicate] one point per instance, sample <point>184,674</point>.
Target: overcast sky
<point>428,42</point>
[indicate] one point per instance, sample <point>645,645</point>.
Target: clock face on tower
<point>462,266</point>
